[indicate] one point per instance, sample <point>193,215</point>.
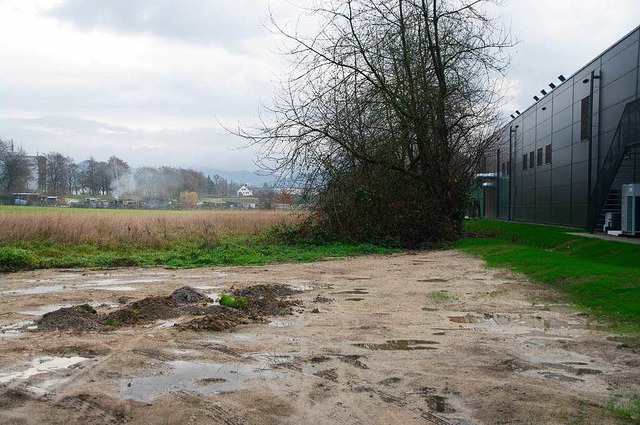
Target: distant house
<point>245,191</point>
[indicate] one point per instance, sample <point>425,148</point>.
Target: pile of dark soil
<point>267,300</point>
<point>145,310</point>
<point>77,317</point>
<point>261,290</point>
<point>223,318</point>
<point>262,300</point>
<point>188,295</point>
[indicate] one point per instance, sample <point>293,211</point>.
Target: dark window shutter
<point>585,119</point>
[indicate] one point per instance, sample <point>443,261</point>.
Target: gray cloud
<point>201,147</point>
<point>200,21</point>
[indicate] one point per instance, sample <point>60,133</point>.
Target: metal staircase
<point>622,165</point>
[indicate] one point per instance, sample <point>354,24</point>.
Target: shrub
<point>12,259</point>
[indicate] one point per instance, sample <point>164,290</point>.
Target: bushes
<point>12,259</point>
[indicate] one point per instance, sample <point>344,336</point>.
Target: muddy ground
<point>406,339</point>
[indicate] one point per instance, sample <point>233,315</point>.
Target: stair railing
<point>627,133</point>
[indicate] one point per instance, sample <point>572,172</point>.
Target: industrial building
<point>573,157</point>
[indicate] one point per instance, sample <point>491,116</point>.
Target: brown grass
<point>114,228</point>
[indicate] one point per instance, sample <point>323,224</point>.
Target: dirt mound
<point>78,317</point>
<point>188,295</point>
<point>145,310</point>
<point>223,318</point>
<point>267,300</point>
<point>198,310</point>
<point>258,291</point>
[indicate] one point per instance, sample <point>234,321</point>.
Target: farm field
<point>39,237</point>
<point>412,338</point>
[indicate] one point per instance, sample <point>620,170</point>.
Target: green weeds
<point>239,302</point>
<point>627,408</point>
<point>442,296</point>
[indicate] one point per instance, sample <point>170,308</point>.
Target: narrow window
<point>539,157</point>
<point>585,119</point>
<point>524,162</point>
<point>504,168</point>
<point>547,154</point>
<point>532,160</point>
<point>508,168</point>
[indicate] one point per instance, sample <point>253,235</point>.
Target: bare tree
<point>58,173</point>
<point>386,113</point>
<point>15,168</point>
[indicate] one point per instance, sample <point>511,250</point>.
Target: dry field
<point>113,228</point>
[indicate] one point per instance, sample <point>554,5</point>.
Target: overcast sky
<point>150,80</point>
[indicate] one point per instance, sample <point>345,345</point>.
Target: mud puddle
<point>42,365</point>
<point>400,344</point>
<point>203,378</point>
<point>469,319</point>
<point>571,368</point>
<point>357,291</point>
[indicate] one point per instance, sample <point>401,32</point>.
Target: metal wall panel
<point>561,195</point>
<point>621,45</point>
<point>620,90</point>
<point>561,176</point>
<point>621,64</point>
<point>562,119</point>
<point>579,193</point>
<point>580,152</point>
<point>543,214</point>
<point>543,178</point>
<point>560,215</point>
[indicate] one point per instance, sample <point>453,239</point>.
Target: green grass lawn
<point>603,277</point>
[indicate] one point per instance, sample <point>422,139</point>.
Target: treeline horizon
<point>55,174</point>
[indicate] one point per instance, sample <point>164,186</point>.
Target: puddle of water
<point>10,334</point>
<point>116,282</point>
<point>472,319</point>
<point>280,323</point>
<point>300,285</point>
<point>35,291</point>
<point>115,288</point>
<point>204,378</point>
<point>437,403</point>
<point>184,352</point>
<point>570,367</point>
<point>100,284</point>
<point>222,274</point>
<point>560,377</point>
<point>166,324</point>
<point>401,344</point>
<point>215,298</point>
<point>16,326</point>
<point>270,359</point>
<point>358,291</point>
<point>206,288</point>
<point>42,365</point>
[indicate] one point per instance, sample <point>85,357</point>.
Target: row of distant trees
<point>56,174</point>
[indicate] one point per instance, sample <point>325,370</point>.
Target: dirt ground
<point>433,337</point>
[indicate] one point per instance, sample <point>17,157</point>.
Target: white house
<point>245,191</point>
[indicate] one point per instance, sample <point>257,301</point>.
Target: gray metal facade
<point>555,186</point>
